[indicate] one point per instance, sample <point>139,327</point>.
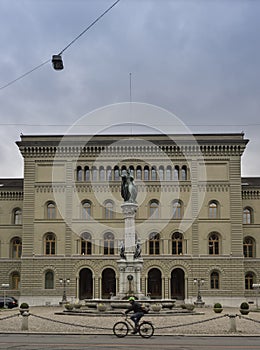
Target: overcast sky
<point>198,59</point>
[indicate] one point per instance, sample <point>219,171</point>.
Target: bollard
<point>233,326</point>
<point>25,316</point>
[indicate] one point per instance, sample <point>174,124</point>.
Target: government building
<point>197,221</point>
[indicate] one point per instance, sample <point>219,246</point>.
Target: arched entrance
<point>177,284</point>
<point>108,283</point>
<point>155,283</point>
<point>85,284</point>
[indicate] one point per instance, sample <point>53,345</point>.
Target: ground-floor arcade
<point>39,279</point>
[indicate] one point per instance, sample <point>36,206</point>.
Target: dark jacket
<point>135,307</point>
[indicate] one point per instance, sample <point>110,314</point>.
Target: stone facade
<point>197,219</point>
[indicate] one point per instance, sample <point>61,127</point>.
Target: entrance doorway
<point>155,283</point>
<point>85,284</point>
<point>108,283</point>
<point>177,284</point>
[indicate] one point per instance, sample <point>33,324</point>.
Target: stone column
<point>129,211</point>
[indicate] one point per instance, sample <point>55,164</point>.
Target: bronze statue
<point>128,188</point>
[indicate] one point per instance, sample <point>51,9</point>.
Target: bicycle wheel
<point>146,329</point>
<point>120,329</point>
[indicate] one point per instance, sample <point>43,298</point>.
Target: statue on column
<point>128,188</point>
<point>138,250</point>
<point>122,250</point>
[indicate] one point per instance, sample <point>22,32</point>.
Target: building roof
<point>251,181</point>
<point>11,183</point>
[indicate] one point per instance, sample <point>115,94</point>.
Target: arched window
<point>161,173</point>
<point>16,248</point>
<point>177,209</point>
<point>153,173</point>
<point>247,216</point>
<point>124,170</point>
<point>168,173</point>
<point>177,243</point>
<point>154,243</point>
<point>214,280</point>
<point>86,244</point>
<point>109,173</point>
<point>94,174</point>
<point>139,173</point>
<point>184,175</point>
<point>214,244</point>
<point>176,172</point>
<point>109,210</point>
<point>51,210</point>
<point>87,173</point>
<point>213,210</point>
<point>50,244</point>
<point>116,173</point>
<point>109,243</point>
<point>249,247</point>
<point>101,174</point>
<point>49,280</point>
<point>132,171</point>
<point>17,216</point>
<point>15,280</point>
<point>249,280</point>
<point>146,173</point>
<point>154,209</point>
<point>79,174</point>
<point>86,210</point>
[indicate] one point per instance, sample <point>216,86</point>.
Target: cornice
<point>134,147</point>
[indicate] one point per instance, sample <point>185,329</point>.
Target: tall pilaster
<point>28,207</point>
<point>69,205</point>
<point>194,207</point>
<point>236,207</point>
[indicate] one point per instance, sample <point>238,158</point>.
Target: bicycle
<point>122,328</point>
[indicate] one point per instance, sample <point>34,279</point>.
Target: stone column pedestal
<point>129,212</point>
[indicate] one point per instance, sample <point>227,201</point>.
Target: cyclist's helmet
<point>131,299</point>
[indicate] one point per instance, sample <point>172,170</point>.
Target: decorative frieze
<point>213,187</point>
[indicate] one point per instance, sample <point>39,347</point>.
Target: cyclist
<point>138,312</point>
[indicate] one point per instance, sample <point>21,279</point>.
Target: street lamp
<point>5,286</point>
<point>199,282</point>
<point>64,282</point>
<point>57,62</point>
<point>256,287</point>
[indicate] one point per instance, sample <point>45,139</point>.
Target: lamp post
<point>199,282</point>
<point>64,282</point>
<point>5,286</point>
<point>256,287</point>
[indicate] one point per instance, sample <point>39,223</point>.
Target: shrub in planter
<point>24,307</point>
<point>101,307</point>
<point>244,308</point>
<point>156,307</point>
<point>218,308</point>
<point>69,307</point>
<point>77,305</point>
<point>189,307</point>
